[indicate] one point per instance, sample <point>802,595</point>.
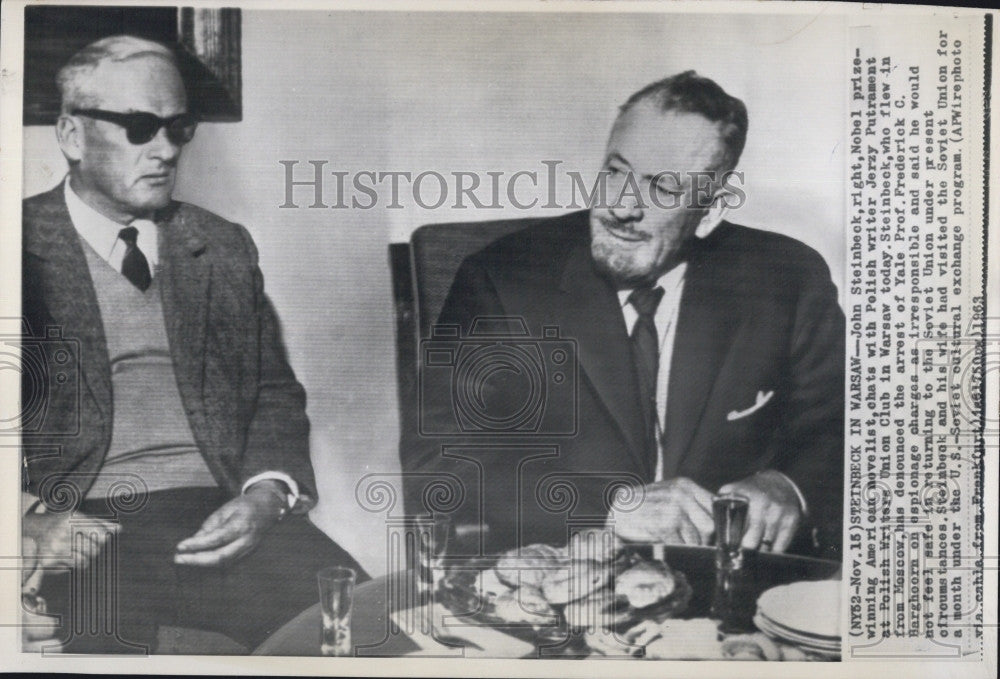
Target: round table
<point>372,635</point>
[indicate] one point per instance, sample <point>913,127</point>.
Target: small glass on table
<point>730,513</point>
<point>431,542</point>
<point>336,595</point>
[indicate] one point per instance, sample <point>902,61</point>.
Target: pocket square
<point>762,399</point>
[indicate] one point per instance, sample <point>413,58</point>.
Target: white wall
<point>467,92</point>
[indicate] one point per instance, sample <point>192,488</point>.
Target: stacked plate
<point>804,614</point>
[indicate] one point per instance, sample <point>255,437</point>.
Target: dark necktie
<point>134,266</point>
<point>646,354</point>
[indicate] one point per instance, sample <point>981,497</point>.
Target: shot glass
<point>431,535</point>
<point>336,595</point>
<point>730,513</point>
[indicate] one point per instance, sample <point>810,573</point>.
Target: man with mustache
<point>710,354</point>
<point>188,438</point>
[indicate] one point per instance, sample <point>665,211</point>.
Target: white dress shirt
<point>101,233</point>
<point>665,321</point>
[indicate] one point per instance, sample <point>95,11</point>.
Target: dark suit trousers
<point>246,600</point>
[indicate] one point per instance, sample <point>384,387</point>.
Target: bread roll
<point>645,584</point>
<point>575,580</point>
<point>528,566</point>
<point>525,604</point>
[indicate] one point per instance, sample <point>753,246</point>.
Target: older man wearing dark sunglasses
<point>188,438</point>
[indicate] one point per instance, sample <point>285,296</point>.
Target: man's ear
<point>715,213</point>
<point>69,134</point>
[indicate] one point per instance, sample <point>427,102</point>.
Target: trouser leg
<point>116,603</point>
<point>249,599</point>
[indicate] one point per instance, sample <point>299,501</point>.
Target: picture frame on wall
<point>207,42</point>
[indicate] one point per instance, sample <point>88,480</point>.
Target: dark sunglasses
<point>140,127</point>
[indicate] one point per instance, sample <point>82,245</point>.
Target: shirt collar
<point>669,281</point>
<point>101,232</point>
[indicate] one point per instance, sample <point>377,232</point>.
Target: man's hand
<point>38,630</point>
<point>678,511</point>
<point>774,513</point>
<point>47,542</point>
<point>52,535</point>
<point>233,529</point>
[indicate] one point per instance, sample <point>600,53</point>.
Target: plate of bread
<point>541,592</point>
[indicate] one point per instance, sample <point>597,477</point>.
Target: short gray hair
<point>72,77</point>
<point>689,92</point>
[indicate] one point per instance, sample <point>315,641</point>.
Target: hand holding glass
<point>730,513</point>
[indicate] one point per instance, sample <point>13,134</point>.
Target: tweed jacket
<point>244,405</point>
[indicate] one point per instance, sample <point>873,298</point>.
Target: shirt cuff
<point>802,498</point>
<point>293,488</point>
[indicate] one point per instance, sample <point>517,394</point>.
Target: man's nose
<point>161,148</point>
<point>627,208</point>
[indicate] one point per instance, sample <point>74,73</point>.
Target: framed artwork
<point>207,42</point>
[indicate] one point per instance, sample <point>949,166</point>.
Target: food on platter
<point>626,606</point>
<point>604,609</point>
<point>574,581</point>
<point>644,632</point>
<point>595,611</point>
<point>525,604</point>
<point>646,583</point>
<point>644,590</point>
<point>755,646</point>
<point>545,587</point>
<point>560,577</point>
<point>529,565</point>
<point>489,585</point>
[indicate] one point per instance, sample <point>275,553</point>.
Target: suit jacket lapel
<point>68,291</point>
<point>705,328</point>
<point>592,316</point>
<point>186,274</point>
